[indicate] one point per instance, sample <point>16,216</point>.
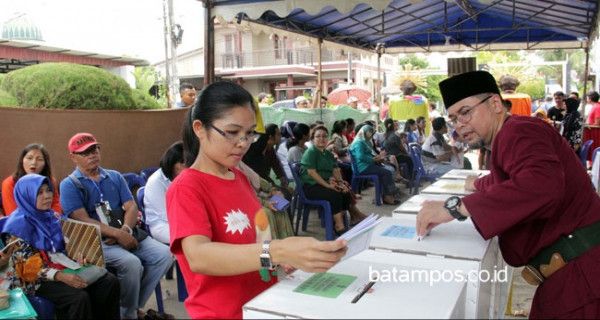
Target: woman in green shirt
<point>323,180</point>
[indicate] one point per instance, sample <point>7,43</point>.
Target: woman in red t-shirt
<point>219,234</point>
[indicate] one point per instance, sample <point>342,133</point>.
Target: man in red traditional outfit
<point>538,199</point>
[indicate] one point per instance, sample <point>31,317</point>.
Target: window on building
<point>228,43</point>
<point>280,46</point>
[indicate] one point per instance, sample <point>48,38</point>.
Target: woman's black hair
<point>270,130</point>
<point>421,130</point>
<point>47,171</point>
<point>258,147</point>
<point>572,104</point>
<point>389,127</point>
<point>350,122</point>
<point>170,158</point>
<point>300,130</point>
<point>213,101</point>
<point>338,126</point>
<point>438,123</point>
<point>409,124</point>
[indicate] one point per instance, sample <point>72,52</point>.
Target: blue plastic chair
<point>140,203</point>
<point>594,154</point>
<point>419,170</point>
<point>146,173</point>
<point>357,178</point>
<point>134,180</point>
<point>42,306</point>
<point>303,206</point>
<point>583,153</point>
<point>181,289</point>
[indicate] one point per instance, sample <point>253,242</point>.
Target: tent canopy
<point>425,25</point>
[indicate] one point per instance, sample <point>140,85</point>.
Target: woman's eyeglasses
<point>235,138</point>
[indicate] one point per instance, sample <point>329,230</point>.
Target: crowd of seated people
<point>34,239</point>
<point>136,262</point>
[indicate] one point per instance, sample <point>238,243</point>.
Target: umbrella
<point>341,95</point>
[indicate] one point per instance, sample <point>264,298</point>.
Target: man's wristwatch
<point>265,256</point>
<point>452,204</point>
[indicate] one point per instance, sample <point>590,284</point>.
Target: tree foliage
<point>417,62</point>
<point>430,89</point>
<point>70,86</point>
<point>535,88</point>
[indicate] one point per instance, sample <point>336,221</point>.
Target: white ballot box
<point>414,203</point>
<point>331,294</point>
<point>476,260</point>
<point>462,174</point>
<point>447,186</point>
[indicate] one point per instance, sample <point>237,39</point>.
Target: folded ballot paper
<point>358,237</point>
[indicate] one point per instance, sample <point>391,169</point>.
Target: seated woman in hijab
<point>368,162</point>
<point>37,253</point>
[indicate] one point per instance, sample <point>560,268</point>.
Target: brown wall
<point>131,140</point>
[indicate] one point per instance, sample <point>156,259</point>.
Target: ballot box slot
<point>422,253</point>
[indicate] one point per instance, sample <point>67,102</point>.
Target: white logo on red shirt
<point>236,221</point>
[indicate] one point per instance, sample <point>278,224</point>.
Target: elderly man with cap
<point>537,199</point>
<point>352,102</point>
<point>100,196</point>
<point>301,102</point>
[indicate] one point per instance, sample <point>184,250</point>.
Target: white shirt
<point>155,206</point>
<point>437,150</point>
<point>282,155</point>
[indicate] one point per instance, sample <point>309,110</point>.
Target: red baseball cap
<point>81,141</point>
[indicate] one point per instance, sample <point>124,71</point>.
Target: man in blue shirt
<point>96,195</point>
<point>187,92</point>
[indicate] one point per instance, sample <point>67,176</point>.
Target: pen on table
<point>366,288</point>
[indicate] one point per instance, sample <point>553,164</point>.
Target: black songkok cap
<point>465,85</point>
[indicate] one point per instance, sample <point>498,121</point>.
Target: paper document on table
<point>326,284</point>
<point>358,237</point>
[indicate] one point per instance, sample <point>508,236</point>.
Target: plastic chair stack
<point>146,173</point>
<point>419,169</point>
<point>357,178</point>
<point>583,153</point>
<point>303,205</point>
<point>181,289</point>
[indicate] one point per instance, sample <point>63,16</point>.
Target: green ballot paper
<point>328,285</point>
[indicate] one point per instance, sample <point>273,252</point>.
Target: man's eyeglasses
<point>235,138</point>
<point>465,114</point>
<point>91,150</point>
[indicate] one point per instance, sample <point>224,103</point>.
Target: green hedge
<point>143,100</point>
<point>72,86</point>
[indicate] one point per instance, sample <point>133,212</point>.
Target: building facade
<point>282,65</point>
